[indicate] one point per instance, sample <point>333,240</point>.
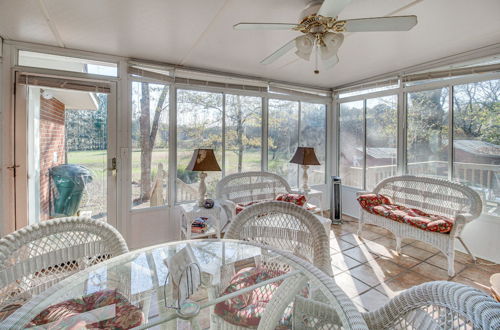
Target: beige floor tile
<point>352,239</point>
<point>474,284</point>
<point>371,300</point>
<point>350,226</point>
<point>369,235</point>
<point>441,261</point>
<point>402,282</point>
<point>488,266</point>
<point>376,271</point>
<point>464,258</point>
<point>351,286</point>
<point>360,253</point>
<point>477,275</point>
<point>431,272</point>
<point>339,244</point>
<point>376,229</point>
<point>344,262</point>
<point>403,260</point>
<point>425,246</point>
<point>415,252</point>
<point>380,249</point>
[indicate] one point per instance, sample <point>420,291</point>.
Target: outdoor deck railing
<point>484,178</point>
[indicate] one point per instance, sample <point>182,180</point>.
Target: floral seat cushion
<point>247,309</point>
<point>126,315</point>
<point>296,199</point>
<point>381,205</point>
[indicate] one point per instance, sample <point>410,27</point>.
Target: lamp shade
<point>305,156</point>
<point>203,160</point>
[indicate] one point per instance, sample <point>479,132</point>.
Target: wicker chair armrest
<point>459,300</point>
<point>293,191</point>
<point>464,218</point>
<point>229,207</point>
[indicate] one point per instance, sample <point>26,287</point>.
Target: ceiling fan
<point>322,31</point>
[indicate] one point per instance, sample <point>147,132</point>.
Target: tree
<point>148,131</point>
<point>241,112</point>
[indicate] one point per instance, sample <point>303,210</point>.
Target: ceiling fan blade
<point>394,23</point>
<point>332,8</point>
<point>264,26</point>
<point>280,52</point>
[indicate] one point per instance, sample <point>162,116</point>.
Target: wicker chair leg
<point>360,224</point>
<point>398,244</point>
<point>467,249</point>
<point>451,261</point>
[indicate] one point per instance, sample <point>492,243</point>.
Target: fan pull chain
<point>316,71</point>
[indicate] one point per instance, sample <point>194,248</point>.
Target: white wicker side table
<point>315,198</point>
<point>188,212</point>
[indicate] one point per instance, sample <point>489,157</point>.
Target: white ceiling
<point>199,33</point>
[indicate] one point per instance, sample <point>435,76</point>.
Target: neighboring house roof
<point>380,153</point>
<point>478,148</point>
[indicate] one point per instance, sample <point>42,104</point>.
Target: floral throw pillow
<point>296,199</point>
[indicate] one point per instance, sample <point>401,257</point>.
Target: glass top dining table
<point>241,284</point>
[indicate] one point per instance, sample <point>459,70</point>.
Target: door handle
<point>113,167</point>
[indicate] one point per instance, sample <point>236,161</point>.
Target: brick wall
<point>51,146</point>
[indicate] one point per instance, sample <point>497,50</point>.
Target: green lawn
<point>96,160</point>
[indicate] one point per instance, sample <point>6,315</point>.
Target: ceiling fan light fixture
<point>304,45</point>
<point>332,42</point>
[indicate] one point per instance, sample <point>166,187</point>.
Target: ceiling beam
<point>51,24</point>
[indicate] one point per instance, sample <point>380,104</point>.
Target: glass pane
<point>243,133</point>
<point>381,139</point>
<point>65,63</point>
<point>199,125</point>
<point>427,139</point>
<point>149,144</point>
<point>313,134</point>
<point>476,129</point>
<point>351,144</point>
<point>283,138</point>
<point>67,154</point>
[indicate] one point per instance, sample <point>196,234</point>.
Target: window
<point>65,63</point>
<point>243,134</point>
<point>283,138</point>
<point>381,139</point>
<point>476,140</point>
<point>313,134</point>
<point>199,125</point>
<point>427,136</point>
<point>149,144</point>
<point>351,144</point>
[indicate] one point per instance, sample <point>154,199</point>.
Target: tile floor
<point>370,272</point>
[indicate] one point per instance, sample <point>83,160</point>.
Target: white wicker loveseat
<point>247,187</point>
<point>435,196</point>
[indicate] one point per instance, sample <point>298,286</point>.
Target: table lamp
<point>203,161</point>
<point>305,156</point>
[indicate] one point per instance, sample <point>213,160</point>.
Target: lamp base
<point>305,179</point>
<point>202,189</point>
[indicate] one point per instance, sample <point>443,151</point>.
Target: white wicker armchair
<point>286,227</point>
<point>246,187</point>
<point>36,257</point>
<point>432,195</point>
<point>432,305</point>
<point>251,186</point>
